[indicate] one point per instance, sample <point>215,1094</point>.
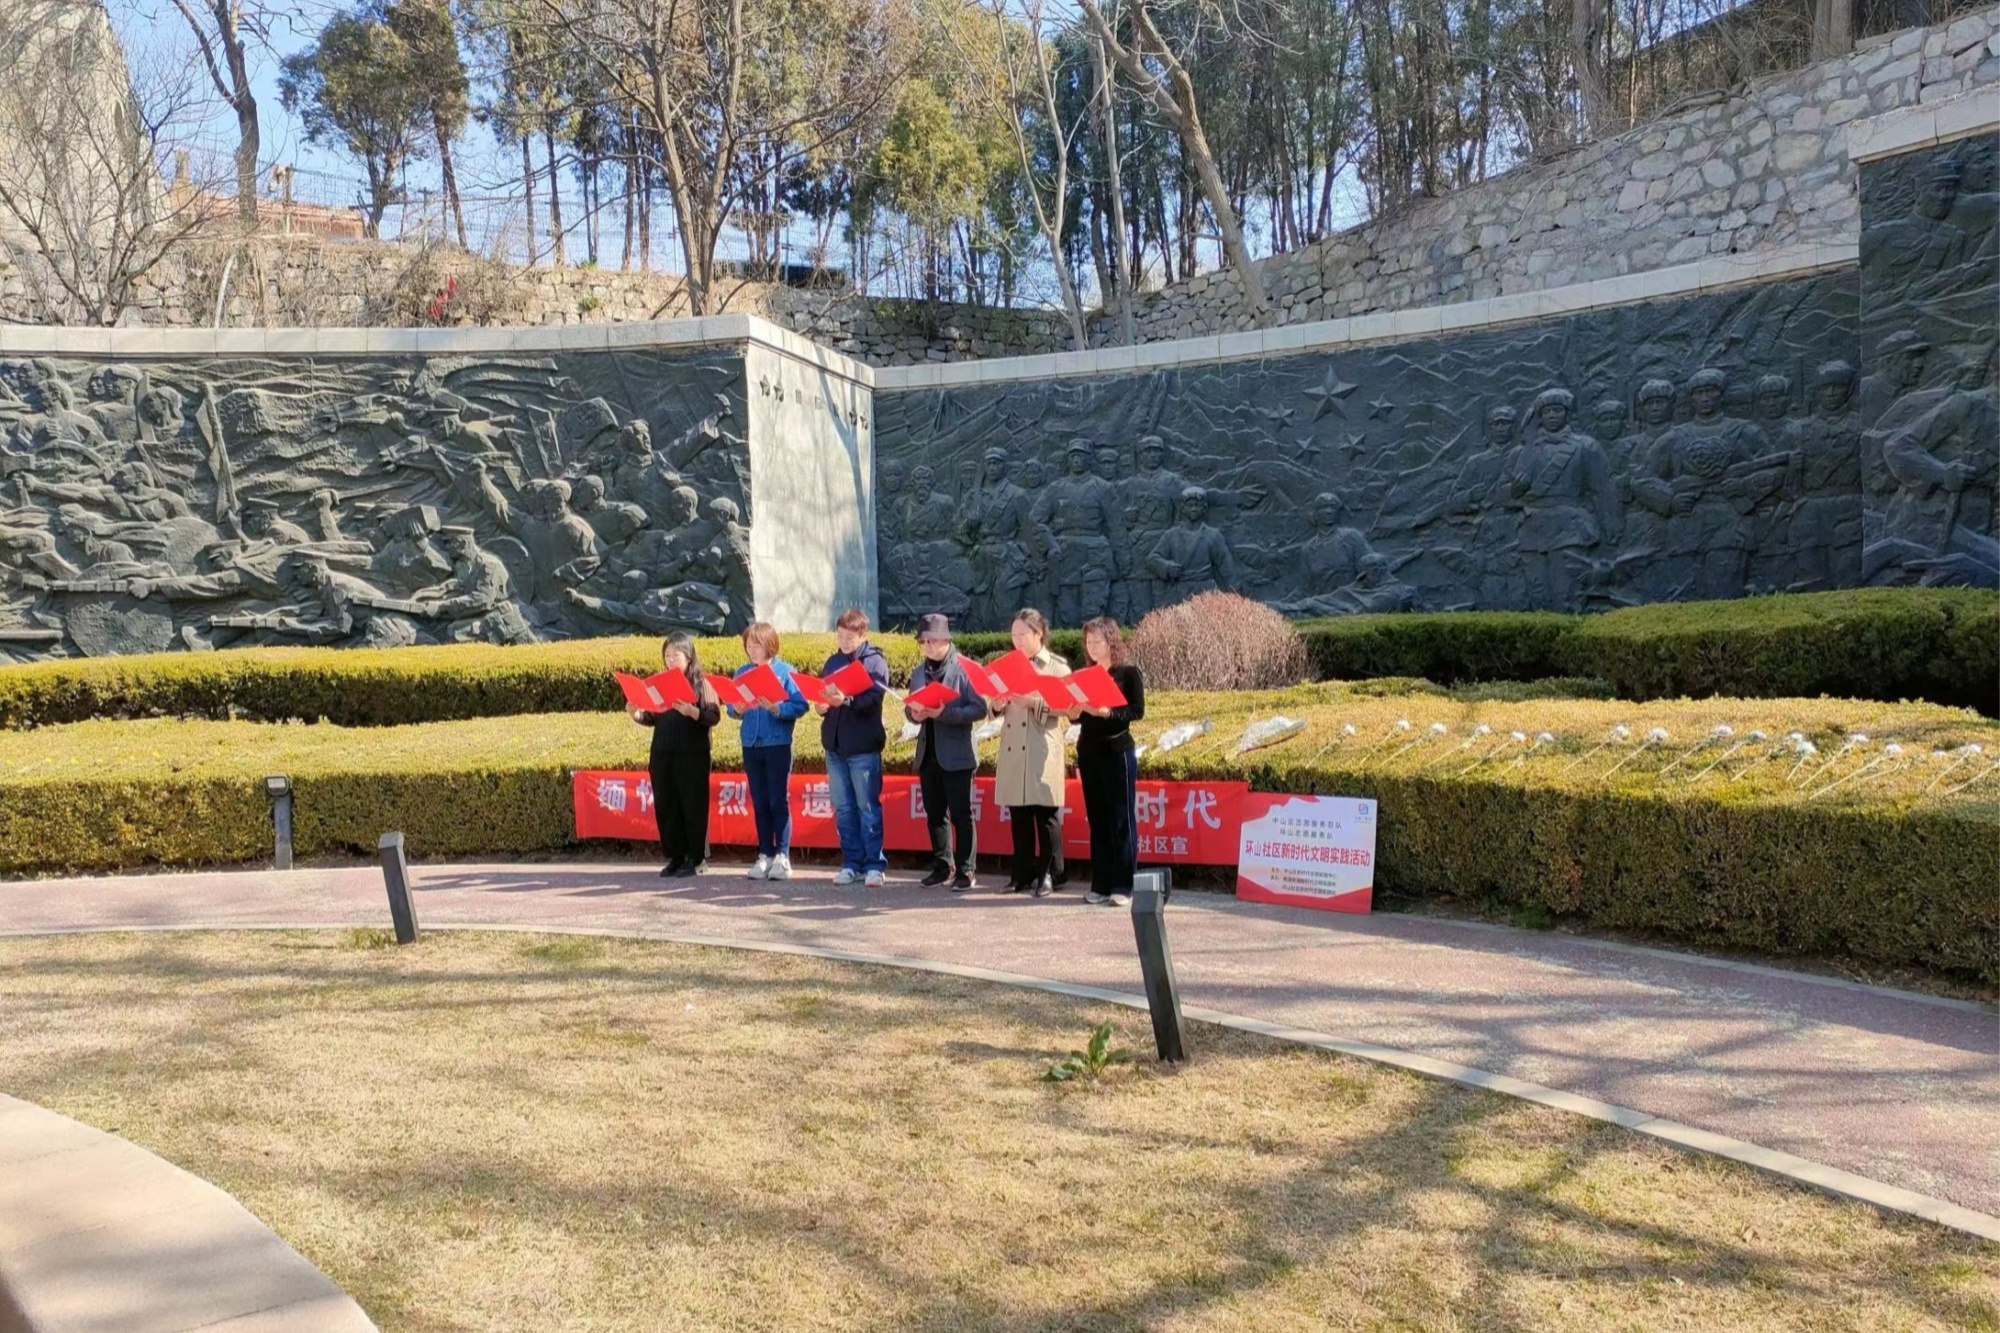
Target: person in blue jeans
<point>850,731</point>
<point>767,754</point>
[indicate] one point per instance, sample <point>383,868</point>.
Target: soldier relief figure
<point>360,508</point>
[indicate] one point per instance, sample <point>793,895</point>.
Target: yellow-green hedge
<point>1875,871</point>
<point>364,687</point>
<point>1941,644</point>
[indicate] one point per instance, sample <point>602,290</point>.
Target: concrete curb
<point>98,1234</point>
<point>1799,1170</point>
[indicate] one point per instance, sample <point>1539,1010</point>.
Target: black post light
<point>278,788</point>
<point>396,874</point>
<point>1150,889</point>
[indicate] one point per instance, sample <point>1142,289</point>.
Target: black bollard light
<point>279,788</point>
<point>396,874</point>
<point>1163,995</point>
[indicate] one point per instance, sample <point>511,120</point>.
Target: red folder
<point>851,679</point>
<point>934,695</point>
<point>1016,672</point>
<point>1056,692</point>
<point>761,681</point>
<point>656,693</point>
<point>811,686</point>
<point>984,683</point>
<point>730,691</point>
<point>1097,687</point>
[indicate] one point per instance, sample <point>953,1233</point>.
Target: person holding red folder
<point>1028,775</point>
<point>1106,762</point>
<point>680,762</point>
<point>944,705</point>
<point>775,705</point>
<point>850,731</point>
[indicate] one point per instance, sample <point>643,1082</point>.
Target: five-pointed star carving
<point>1326,397</point>
<point>1309,449</point>
<point>1381,407</point>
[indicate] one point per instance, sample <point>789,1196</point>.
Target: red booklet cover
<point>934,695</point>
<point>656,693</point>
<point>1016,672</point>
<point>730,691</point>
<point>851,679</point>
<point>984,683</point>
<point>1057,692</point>
<point>1097,687</point>
<point>761,681</point>
<point>811,686</point>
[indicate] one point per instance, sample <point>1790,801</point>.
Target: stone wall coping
<point>1716,273</point>
<point>98,1233</point>
<point>708,330</point>
<point>1912,127</point>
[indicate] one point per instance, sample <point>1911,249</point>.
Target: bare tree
<point>1027,65</point>
<point>1833,28</point>
<point>692,71</point>
<point>1170,90</point>
<point>1106,103</point>
<point>83,212</point>
<point>1588,24</point>
<point>223,30</point>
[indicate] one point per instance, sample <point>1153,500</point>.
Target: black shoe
<point>1044,887</point>
<point>673,870</point>
<point>935,878</point>
<point>693,868</point>
<point>1015,886</point>
<point>961,883</point>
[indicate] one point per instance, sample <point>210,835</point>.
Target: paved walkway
<point>1900,1088</point>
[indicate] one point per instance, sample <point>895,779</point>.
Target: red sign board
<point>1307,851</point>
<point>1186,823</point>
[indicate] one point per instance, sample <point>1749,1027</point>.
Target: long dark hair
<point>685,644</point>
<point>1106,628</point>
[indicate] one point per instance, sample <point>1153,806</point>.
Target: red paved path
<point>1903,1089</point>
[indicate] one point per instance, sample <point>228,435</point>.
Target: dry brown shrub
<point>1218,641</point>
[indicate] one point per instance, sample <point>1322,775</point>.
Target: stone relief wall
<point>1677,450</point>
<point>164,505</point>
<point>1930,302</point>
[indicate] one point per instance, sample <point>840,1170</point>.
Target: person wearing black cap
<point>946,757</point>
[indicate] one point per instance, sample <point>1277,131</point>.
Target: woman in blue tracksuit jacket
<point>767,755</point>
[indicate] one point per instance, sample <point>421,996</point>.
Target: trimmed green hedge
<point>1941,644</point>
<point>1881,873</point>
<point>361,687</point>
<point>1449,647</point>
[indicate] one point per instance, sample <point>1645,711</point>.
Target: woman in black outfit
<point>680,763</point>
<point>1109,769</point>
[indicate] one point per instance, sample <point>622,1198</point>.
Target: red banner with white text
<point>1185,823</point>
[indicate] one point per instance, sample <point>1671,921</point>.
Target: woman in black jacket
<point>1109,769</point>
<point>680,763</point>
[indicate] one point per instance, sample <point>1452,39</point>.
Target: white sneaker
<point>781,867</point>
<point>762,870</point>
<point>845,876</point>
<point>874,880</point>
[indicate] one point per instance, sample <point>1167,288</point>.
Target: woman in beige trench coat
<point>1028,776</point>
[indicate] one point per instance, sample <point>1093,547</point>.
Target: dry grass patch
<point>551,1133</point>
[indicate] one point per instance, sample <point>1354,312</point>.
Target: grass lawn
<point>494,1131</point>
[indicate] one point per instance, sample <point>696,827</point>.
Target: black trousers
<point>948,812</point>
<point>1110,780</point>
<point>680,804</point>
<point>1034,841</point>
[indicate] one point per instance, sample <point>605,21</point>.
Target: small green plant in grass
<point>1089,1063</point>
<point>564,950</point>
<point>370,937</point>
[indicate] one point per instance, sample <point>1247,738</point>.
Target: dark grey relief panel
<point>167,505</point>
<point>1698,447</point>
<point>1930,285</point>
